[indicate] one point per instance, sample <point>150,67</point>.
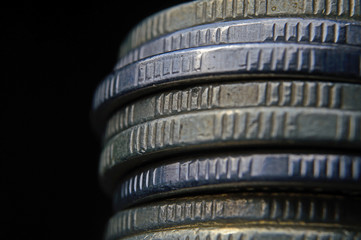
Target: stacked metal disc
<point>235,119</point>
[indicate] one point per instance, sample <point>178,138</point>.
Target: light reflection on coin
<point>202,12</point>
<point>285,93</point>
<point>221,172</point>
<point>229,232</point>
<point>216,129</point>
<point>276,30</point>
<point>214,101</point>
<point>288,210</point>
<point>237,61</point>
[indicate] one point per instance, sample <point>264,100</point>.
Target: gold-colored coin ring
<point>209,11</point>
<point>229,232</point>
<point>261,210</point>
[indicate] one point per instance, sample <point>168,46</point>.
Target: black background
<point>52,62</point>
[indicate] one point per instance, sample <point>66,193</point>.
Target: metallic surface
<point>183,65</point>
<point>249,232</point>
<point>285,93</point>
<point>240,172</point>
<point>276,30</point>
<point>207,64</point>
<point>261,210</point>
<point>202,12</point>
<point>235,119</point>
<point>237,127</point>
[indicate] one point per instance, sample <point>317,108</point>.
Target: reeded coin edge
<point>241,126</point>
<point>248,94</point>
<point>253,208</point>
<point>278,30</point>
<point>199,64</point>
<point>230,232</point>
<point>248,170</point>
<point>203,12</point>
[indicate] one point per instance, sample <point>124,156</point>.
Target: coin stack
<point>235,119</point>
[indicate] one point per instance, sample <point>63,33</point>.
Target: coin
<point>285,93</point>
<point>234,127</point>
<point>207,64</point>
<point>209,11</point>
<point>230,232</point>
<point>277,30</point>
<point>239,172</point>
<point>239,119</point>
<point>262,210</point>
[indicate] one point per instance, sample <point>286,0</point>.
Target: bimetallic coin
<point>313,94</point>
<point>207,64</point>
<point>236,127</point>
<point>263,210</point>
<point>223,172</point>
<point>277,30</point>
<point>229,232</point>
<point>209,11</point>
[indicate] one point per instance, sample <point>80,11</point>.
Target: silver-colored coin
<point>284,93</point>
<point>209,11</point>
<point>277,30</point>
<point>236,127</point>
<point>261,210</point>
<point>221,62</point>
<point>230,232</point>
<point>240,172</point>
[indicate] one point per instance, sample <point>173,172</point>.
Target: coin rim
<point>112,92</point>
<point>260,209</point>
<point>116,158</point>
<point>227,232</point>
<point>218,34</point>
<point>124,118</point>
<point>147,183</point>
<point>152,26</point>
